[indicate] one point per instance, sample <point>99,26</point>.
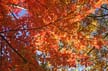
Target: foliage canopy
<point>38,34</point>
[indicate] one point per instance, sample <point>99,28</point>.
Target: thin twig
<point>104,8</point>
<point>63,29</point>
<point>90,50</point>
<point>36,28</point>
<point>105,35</point>
<point>106,66</point>
<point>17,6</point>
<point>13,15</point>
<point>99,16</point>
<point>0,53</point>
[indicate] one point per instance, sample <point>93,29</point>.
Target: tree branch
<point>37,28</point>
<point>106,66</point>
<point>62,30</point>
<point>104,8</point>
<point>13,15</point>
<point>13,48</point>
<point>90,50</point>
<point>1,53</point>
<point>17,6</point>
<point>99,16</point>
<point>105,35</point>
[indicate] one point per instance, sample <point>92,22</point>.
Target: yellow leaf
<point>94,23</point>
